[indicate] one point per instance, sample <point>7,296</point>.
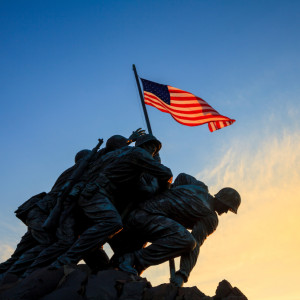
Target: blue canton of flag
<point>159,90</point>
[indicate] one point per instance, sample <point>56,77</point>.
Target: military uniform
<point>164,221</point>
<point>101,201</point>
<point>33,213</point>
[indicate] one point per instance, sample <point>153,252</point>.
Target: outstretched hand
<point>135,134</point>
<point>177,280</point>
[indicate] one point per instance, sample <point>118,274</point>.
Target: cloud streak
<point>258,249</point>
<point>5,252</point>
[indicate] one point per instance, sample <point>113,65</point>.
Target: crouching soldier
<point>164,221</point>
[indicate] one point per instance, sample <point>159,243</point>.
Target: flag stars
<point>159,90</point>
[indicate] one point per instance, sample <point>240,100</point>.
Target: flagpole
<point>171,261</point>
<point>142,99</point>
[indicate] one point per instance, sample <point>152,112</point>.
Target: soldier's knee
<point>190,243</point>
<point>115,220</point>
<point>112,223</point>
<point>118,228</point>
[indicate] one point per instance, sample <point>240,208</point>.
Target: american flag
<point>184,107</point>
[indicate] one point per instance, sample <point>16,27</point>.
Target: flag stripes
<point>184,107</point>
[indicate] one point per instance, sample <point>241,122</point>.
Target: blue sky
<point>66,80</point>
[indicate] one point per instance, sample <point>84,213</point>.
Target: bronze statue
<point>164,221</point>
<point>35,212</point>
<point>100,200</point>
<point>94,202</point>
<point>121,195</point>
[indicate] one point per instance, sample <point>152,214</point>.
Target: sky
<point>66,80</point>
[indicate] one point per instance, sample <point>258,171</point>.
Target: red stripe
<point>191,105</point>
<point>185,97</point>
<point>190,124</point>
<point>211,126</point>
<point>177,91</point>
<point>171,109</point>
<point>161,109</point>
<point>211,118</point>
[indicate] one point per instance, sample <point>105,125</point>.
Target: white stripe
<point>194,122</point>
<point>213,125</point>
<point>186,101</point>
<point>187,95</point>
<point>214,115</point>
<point>181,109</point>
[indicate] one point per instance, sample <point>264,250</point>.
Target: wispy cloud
<point>259,247</point>
<point>5,252</point>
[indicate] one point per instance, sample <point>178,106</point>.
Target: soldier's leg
<point>106,223</point>
<point>127,241</point>
<point>47,256</point>
<point>27,242</point>
<point>25,260</point>
<point>40,239</point>
<point>65,236</point>
<point>35,220</point>
<point>169,239</point>
<point>96,259</point>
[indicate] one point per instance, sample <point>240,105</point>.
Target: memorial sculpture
<point>35,212</point>
<point>122,193</point>
<point>164,221</point>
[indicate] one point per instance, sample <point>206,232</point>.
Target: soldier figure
<point>33,213</point>
<point>100,202</point>
<point>120,184</point>
<point>106,195</point>
<point>67,229</point>
<point>164,221</point>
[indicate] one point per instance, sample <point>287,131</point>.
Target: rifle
<point>54,216</point>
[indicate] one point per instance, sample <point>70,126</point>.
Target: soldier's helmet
<point>229,197</point>
<point>81,154</point>
<point>148,138</point>
<point>116,142</point>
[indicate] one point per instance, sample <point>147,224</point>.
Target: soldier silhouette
<point>164,221</point>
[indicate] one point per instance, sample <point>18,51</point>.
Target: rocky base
<point>76,282</point>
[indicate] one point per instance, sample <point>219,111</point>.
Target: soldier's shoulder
<point>192,189</point>
<point>117,152</point>
<point>140,151</point>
